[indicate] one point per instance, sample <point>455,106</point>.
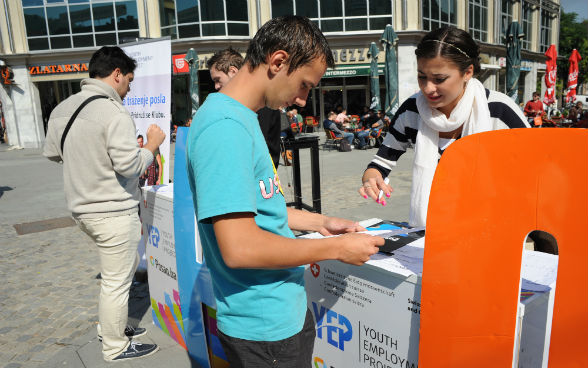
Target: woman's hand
<point>372,184</point>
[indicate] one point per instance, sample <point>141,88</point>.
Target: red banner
<point>550,75</point>
<point>573,76</point>
<point>180,64</point>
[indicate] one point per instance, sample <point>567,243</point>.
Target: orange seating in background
<point>331,140</point>
<point>310,122</point>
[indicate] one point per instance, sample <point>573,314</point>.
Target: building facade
<point>47,44</point>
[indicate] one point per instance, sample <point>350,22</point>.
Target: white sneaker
<point>352,146</point>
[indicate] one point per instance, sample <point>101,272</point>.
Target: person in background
<point>533,108</point>
<point>342,119</point>
<point>330,124</point>
<point>451,104</point>
<point>223,66</point>
<point>256,264</point>
<point>152,175</point>
<point>102,163</point>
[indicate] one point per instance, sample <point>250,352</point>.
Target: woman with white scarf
<point>451,104</point>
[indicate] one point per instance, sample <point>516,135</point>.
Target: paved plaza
<point>49,290</point>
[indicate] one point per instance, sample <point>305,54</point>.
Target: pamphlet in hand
<point>395,234</point>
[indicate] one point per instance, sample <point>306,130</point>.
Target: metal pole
<point>9,26</point>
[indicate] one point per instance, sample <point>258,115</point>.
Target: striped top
<point>504,114</point>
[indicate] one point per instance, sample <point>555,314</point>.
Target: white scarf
<point>471,111</point>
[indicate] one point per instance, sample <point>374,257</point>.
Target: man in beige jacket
<point>102,163</point>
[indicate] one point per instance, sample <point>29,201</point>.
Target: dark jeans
<point>293,352</point>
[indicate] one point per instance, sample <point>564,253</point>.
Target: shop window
<point>83,41</point>
<point>355,8</point>
<point>203,18</point>
<point>213,29</point>
<point>380,7</point>
<point>478,19</point>
<point>126,15</point>
<point>187,12</point>
<point>38,43</point>
<point>306,8</point>
<point>171,31</point>
<point>337,15</point>
<point>81,19</point>
<point>380,23</point>
<point>167,13</point>
<point>281,8</point>
<point>505,17</point>
<point>103,17</point>
<point>78,1</point>
<point>105,39</point>
<point>238,29</point>
<point>212,10</point>
<point>237,10</point>
<point>124,37</point>
<point>57,20</point>
<point>331,8</point>
<point>32,2</point>
<point>60,42</point>
<point>355,24</point>
<point>55,1</point>
<point>437,14</point>
<point>191,30</point>
<point>35,22</point>
<point>332,25</point>
<point>527,26</point>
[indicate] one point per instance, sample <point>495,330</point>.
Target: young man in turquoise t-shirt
<point>255,263</point>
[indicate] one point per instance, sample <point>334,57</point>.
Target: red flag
<point>573,76</point>
<point>550,75</point>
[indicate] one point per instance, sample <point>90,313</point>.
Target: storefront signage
<point>180,65</point>
<point>351,71</point>
<point>526,65</point>
<point>7,75</point>
<point>350,55</point>
<point>58,68</point>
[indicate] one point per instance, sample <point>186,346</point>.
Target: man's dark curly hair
<point>298,36</point>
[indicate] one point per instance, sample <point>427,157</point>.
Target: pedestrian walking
<point>94,135</point>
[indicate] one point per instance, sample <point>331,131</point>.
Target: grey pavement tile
<point>13,365</point>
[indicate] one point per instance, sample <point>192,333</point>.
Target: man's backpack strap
<point>74,116</point>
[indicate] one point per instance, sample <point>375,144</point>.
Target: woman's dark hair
<point>107,59</point>
<point>296,35</point>
<point>453,44</point>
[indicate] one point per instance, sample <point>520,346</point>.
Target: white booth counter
<point>366,316</point>
<point>158,235</point>
<point>369,316</point>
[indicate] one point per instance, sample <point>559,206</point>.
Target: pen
<point>386,181</point>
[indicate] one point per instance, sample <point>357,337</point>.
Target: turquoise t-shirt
<point>230,170</point>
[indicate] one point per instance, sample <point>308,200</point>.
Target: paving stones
<point>49,304</point>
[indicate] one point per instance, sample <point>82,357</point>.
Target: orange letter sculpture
<point>491,190</point>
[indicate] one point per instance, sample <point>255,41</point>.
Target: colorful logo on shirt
<point>273,188</point>
<point>153,235</point>
<point>336,327</point>
<point>151,260</point>
<point>315,269</point>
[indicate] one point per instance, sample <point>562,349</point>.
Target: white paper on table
<point>538,271</point>
<point>405,261</point>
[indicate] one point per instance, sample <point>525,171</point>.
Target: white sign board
<point>149,101</point>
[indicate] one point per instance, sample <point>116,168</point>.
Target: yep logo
<point>337,326</point>
<point>152,235</point>
<point>320,363</point>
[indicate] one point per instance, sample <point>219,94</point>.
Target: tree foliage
<point>572,35</point>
